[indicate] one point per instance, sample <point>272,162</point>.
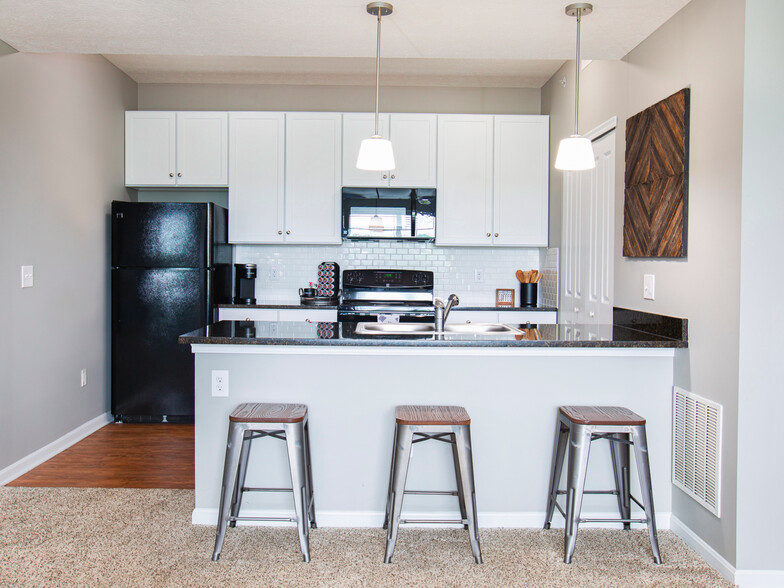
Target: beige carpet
<point>98,537</point>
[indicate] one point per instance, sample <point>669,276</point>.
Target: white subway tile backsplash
<point>453,266</point>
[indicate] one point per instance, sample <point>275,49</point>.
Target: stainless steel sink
<point>429,329</point>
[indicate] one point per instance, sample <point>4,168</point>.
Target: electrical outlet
<point>479,275</point>
<point>275,273</point>
<point>220,383</point>
<point>84,377</point>
<point>648,286</point>
<point>27,276</point>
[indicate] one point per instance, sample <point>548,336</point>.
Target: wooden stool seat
<point>260,412</point>
<point>431,415</point>
<point>602,415</point>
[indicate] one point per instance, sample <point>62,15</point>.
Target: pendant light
<point>375,153</point>
<point>575,153</point>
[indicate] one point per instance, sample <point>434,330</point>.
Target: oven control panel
<point>393,279</point>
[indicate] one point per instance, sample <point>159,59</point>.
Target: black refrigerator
<point>171,266</point>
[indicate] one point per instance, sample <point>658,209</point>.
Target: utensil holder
<point>529,294</point>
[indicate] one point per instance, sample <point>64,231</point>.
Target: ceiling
<point>485,43</point>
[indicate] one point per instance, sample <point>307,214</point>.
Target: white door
<point>313,177</point>
<point>202,149</point>
<point>414,143</point>
<point>150,148</point>
<point>520,184</point>
<point>588,239</point>
<point>256,177</point>
<point>464,180</point>
<point>358,126</point>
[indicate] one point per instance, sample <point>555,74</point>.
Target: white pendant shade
<point>575,153</point>
<point>375,154</point>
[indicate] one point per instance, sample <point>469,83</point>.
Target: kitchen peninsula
<point>510,383</point>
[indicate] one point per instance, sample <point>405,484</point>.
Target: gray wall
<point>61,139</point>
<point>701,47</point>
<point>337,98</point>
<point>760,471</point>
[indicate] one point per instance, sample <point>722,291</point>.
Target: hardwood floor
<point>121,456</point>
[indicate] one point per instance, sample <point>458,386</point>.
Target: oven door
<point>389,213</point>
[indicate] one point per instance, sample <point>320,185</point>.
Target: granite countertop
<point>343,334</point>
<point>294,305</point>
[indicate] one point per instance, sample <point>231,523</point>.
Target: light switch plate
<point>648,286</point>
<point>27,276</point>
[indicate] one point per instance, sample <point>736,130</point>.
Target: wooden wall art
<point>655,210</point>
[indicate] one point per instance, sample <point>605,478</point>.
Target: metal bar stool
<point>579,425</point>
<point>414,424</point>
<point>249,421</point>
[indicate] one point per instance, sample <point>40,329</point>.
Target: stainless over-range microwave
<point>389,213</point>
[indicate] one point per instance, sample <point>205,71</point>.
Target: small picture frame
<point>504,297</point>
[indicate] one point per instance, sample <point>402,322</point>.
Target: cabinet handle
<point>179,174</point>
<point>591,314</point>
<point>171,174</point>
<point>280,232</point>
<point>488,234</point>
<point>393,176</point>
<point>496,234</point>
<point>576,309</point>
<point>468,322</point>
<point>288,232</point>
<point>307,320</point>
<point>384,176</point>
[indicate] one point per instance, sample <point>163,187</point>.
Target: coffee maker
<point>244,283</point>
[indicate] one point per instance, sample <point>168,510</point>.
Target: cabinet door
<point>358,126</point>
<point>313,165</point>
<point>521,317</point>
<point>414,142</point>
<point>465,180</point>
<point>256,177</point>
<point>149,148</point>
<point>202,149</point>
<point>520,182</point>
<point>308,315</point>
<point>247,314</point>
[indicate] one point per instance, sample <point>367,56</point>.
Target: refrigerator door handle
<point>210,305</point>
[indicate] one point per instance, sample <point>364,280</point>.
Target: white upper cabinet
<point>150,155</point>
<point>464,193</point>
<point>520,181</point>
<point>313,178</point>
<point>176,149</point>
<point>493,180</point>
<point>413,139</point>
<point>256,177</point>
<point>358,126</point>
<point>202,149</point>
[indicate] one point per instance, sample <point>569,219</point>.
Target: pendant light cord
<point>378,65</point>
<point>576,78</point>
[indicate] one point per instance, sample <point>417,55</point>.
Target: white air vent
<point>696,448</point>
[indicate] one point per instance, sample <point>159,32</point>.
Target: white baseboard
<point>759,578</point>
<point>38,457</point>
<point>370,519</point>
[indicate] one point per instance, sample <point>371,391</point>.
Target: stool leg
<point>559,451</point>
<point>242,470</point>
<point>644,471</point>
<point>403,439</point>
<point>391,472</point>
<point>295,433</point>
<point>620,461</point>
<point>230,466</point>
<point>579,449</point>
<point>309,479</point>
<point>463,442</point>
<point>459,479</point>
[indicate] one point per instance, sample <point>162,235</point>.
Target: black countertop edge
<point>334,306</point>
<point>653,324</point>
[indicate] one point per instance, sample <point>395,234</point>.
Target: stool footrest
<point>433,492</point>
<point>245,489</point>
<point>283,519</point>
<point>432,522</point>
<point>616,520</point>
<point>614,492</point>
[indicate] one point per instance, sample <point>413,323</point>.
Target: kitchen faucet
<point>442,311</point>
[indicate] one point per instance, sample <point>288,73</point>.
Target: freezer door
<point>152,374</point>
<point>161,234</point>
